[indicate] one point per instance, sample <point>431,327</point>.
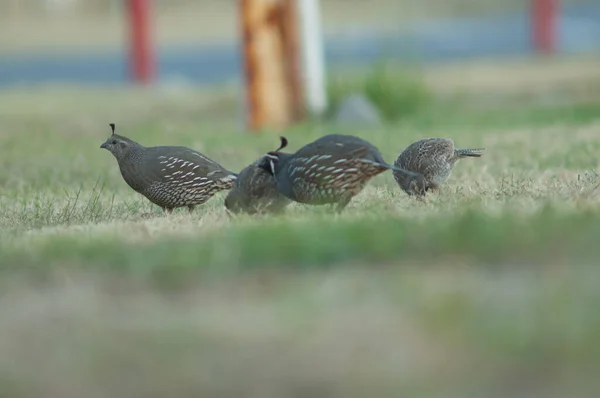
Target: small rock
<point>357,109</point>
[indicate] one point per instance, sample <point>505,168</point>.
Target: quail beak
<point>103,146</point>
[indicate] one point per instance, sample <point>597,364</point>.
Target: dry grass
<point>519,77</point>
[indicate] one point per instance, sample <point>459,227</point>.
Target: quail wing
<point>183,164</point>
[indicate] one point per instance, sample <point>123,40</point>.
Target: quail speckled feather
<point>331,170</point>
<point>434,158</point>
<point>255,191</point>
<point>169,176</point>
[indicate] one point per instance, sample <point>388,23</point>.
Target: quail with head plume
<point>169,176</point>
<point>434,158</point>
<point>255,191</point>
<point>330,170</point>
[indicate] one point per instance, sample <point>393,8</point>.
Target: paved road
<point>428,41</point>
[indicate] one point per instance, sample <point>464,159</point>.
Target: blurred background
<point>84,41</point>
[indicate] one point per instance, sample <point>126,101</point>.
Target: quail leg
<point>168,211</point>
<point>418,192</point>
<point>341,205</point>
<point>191,208</point>
<point>434,188</point>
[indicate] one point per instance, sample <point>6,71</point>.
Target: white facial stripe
<point>272,166</point>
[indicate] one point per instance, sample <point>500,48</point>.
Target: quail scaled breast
<point>255,191</point>
<point>169,176</point>
<point>434,158</point>
<point>331,170</point>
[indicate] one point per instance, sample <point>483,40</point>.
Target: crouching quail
<point>434,158</point>
<point>255,191</point>
<point>169,176</point>
<point>330,170</point>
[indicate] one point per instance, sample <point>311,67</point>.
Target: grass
<point>488,289</point>
<point>396,91</point>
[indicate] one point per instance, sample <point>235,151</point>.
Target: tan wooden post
<point>292,58</point>
<point>271,63</point>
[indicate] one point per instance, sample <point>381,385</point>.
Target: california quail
<point>330,170</point>
<point>254,192</point>
<point>434,158</point>
<point>169,176</point>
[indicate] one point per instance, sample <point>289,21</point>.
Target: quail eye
<point>114,142</point>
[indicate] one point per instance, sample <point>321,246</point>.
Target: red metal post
<point>141,50</point>
<point>543,25</point>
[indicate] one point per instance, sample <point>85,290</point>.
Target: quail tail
<point>229,180</point>
<point>473,153</point>
<point>398,169</point>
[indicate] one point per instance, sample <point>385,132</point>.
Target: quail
<point>434,158</point>
<point>168,176</point>
<point>254,192</point>
<point>331,170</point>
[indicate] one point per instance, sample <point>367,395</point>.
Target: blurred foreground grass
<point>489,289</point>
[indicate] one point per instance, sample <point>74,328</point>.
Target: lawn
<point>488,289</point>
